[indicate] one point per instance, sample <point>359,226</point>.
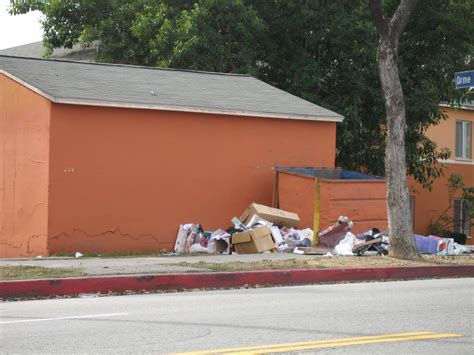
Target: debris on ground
<point>331,236</point>
<point>260,228</point>
<point>439,246</point>
<point>192,238</point>
<point>346,245</point>
<point>252,241</point>
<point>372,241</point>
<point>266,229</point>
<point>311,250</point>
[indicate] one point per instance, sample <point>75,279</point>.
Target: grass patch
<point>25,272</point>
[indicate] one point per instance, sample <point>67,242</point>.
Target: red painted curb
<point>105,284</point>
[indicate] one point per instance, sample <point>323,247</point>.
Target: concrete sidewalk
<point>145,265</point>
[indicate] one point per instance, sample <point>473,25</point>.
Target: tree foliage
<point>321,50</point>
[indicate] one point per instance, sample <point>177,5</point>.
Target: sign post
<point>464,79</point>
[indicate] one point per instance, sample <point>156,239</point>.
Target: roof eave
<point>462,107</point>
<point>215,111</point>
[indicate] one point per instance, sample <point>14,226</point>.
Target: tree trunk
<point>402,243</point>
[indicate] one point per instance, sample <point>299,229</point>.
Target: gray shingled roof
<point>163,89</point>
<point>33,50</point>
<point>37,50</point>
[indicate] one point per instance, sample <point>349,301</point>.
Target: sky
<point>20,29</point>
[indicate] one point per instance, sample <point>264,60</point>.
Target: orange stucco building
<point>111,159</point>
<point>454,133</point>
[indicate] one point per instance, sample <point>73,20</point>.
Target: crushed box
<point>253,241</point>
<point>434,245</point>
<point>277,217</point>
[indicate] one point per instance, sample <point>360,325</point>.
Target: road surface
<point>411,317</point>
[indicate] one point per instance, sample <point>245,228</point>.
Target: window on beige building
<point>463,139</point>
<point>462,219</point>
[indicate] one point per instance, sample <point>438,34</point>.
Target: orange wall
<point>363,201</point>
<point>24,159</point>
<point>123,180</point>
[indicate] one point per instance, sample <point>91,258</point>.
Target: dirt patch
<point>334,262</point>
<point>459,260</point>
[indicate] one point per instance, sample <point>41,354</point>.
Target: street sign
<point>464,79</point>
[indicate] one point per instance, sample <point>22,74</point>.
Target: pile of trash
<point>375,242</point>
<point>261,228</point>
<point>345,243</point>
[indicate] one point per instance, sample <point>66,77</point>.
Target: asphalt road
<point>301,318</point>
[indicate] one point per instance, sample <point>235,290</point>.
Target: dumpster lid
<point>327,173</point>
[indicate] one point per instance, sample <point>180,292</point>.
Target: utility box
<point>320,195</point>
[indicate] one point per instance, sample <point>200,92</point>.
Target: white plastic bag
<point>198,248</point>
<point>344,247</point>
<point>460,249</point>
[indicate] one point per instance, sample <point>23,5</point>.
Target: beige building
<point>454,133</point>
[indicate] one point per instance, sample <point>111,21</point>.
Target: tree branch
<point>380,17</point>
<point>401,17</point>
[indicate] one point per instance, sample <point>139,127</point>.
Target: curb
<point>178,282</point>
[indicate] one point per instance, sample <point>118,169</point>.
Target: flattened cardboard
<point>277,217</point>
<point>314,250</point>
<point>253,241</point>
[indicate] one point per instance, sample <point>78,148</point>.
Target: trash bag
<point>460,249</point>
<point>344,247</point>
<point>292,240</point>
<point>298,238</point>
<point>198,248</point>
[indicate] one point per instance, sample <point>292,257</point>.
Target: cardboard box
<point>222,246</point>
<point>253,241</point>
<point>278,217</point>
